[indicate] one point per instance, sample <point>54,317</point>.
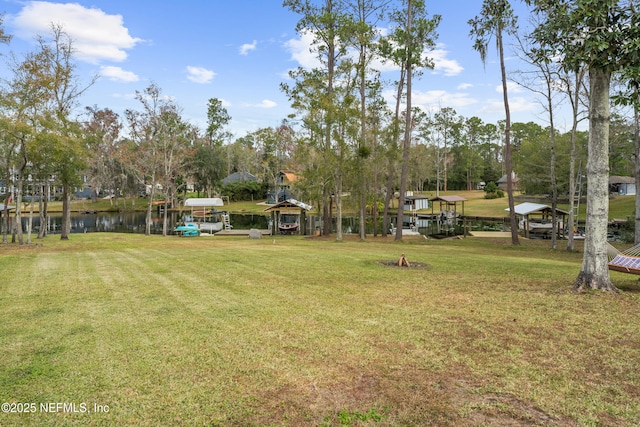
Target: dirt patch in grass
<point>412,264</point>
<point>406,395</point>
<point>7,249</point>
<point>369,238</point>
<point>498,409</point>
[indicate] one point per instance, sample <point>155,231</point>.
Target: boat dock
<point>233,232</point>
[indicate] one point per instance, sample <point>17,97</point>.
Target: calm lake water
<point>132,222</point>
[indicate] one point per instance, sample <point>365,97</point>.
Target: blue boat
<point>188,230</point>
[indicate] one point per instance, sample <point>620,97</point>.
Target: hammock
<point>627,261</point>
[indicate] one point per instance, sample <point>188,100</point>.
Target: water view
<point>132,222</point>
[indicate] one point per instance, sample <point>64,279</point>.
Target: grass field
<point>293,331</point>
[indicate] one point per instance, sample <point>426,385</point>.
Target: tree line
<point>343,137</point>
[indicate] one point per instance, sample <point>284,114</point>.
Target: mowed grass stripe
<point>295,331</point>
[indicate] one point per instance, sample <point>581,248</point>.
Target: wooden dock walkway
<point>502,234</point>
<point>238,233</point>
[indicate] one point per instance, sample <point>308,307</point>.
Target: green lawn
<point>293,331</point>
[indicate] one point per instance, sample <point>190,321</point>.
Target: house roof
<point>291,177</point>
<point>449,199</point>
<point>239,177</point>
<point>204,202</point>
<point>416,198</point>
<point>288,204</point>
<point>622,180</point>
<point>503,178</point>
<point>527,208</point>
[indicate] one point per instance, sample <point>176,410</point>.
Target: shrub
<point>492,191</point>
<point>243,191</point>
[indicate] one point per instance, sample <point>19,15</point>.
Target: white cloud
<point>247,47</point>
<point>444,65</point>
<point>304,53</point>
<point>384,66</point>
<point>437,98</point>
<point>464,86</point>
<point>432,100</point>
<point>512,87</point>
<point>96,35</point>
<point>266,103</point>
<point>516,105</point>
<point>118,74</point>
<point>131,95</point>
<point>200,74</point>
<point>301,50</point>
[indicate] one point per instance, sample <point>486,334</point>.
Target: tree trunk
<point>388,195</point>
<point>30,222</point>
<point>594,273</point>
<point>327,215</point>
<point>575,102</point>
<point>573,220</point>
<point>554,184</point>
<point>339,208</point>
<point>147,222</point>
<point>362,232</point>
<point>18,222</point>
<point>165,218</point>
<point>65,228</point>
<point>507,140</point>
<point>4,217</point>
<point>636,139</point>
<point>41,211</point>
<point>407,132</point>
<point>444,161</point>
<point>392,154</point>
<point>44,208</point>
<point>374,211</point>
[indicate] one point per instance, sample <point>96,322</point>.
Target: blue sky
<point>240,51</point>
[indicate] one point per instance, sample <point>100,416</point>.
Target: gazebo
<point>448,216</point>
<point>536,219</point>
<point>449,203</point>
<point>288,216</point>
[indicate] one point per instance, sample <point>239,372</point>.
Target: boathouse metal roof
<point>289,204</point>
<point>527,208</point>
<point>204,202</point>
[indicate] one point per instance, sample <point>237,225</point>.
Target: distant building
<point>622,185</point>
<point>84,193</point>
<point>238,177</point>
<point>285,182</point>
<point>502,182</point>
<point>415,203</point>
